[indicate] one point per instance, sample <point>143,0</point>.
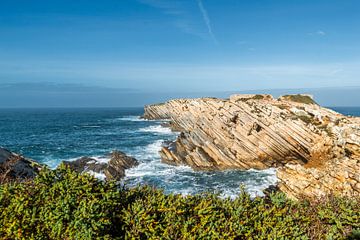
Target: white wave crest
<point>100,176</point>
<point>158,129</point>
<point>262,180</point>
<point>132,118</point>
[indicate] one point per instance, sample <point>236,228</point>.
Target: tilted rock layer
<point>257,131</point>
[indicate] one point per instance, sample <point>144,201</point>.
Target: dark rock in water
<point>16,167</point>
<point>113,170</point>
<point>85,164</point>
<point>118,163</point>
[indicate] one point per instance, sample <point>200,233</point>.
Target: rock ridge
<point>292,133</point>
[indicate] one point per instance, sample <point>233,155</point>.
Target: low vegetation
<point>300,98</point>
<point>62,204</point>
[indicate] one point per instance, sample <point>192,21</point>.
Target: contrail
<point>206,20</point>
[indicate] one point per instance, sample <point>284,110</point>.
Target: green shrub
<point>62,204</point>
<point>59,204</point>
<point>299,98</point>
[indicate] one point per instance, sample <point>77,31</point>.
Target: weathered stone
<point>85,164</point>
<point>118,163</point>
<point>258,131</point>
<point>16,167</point>
<point>297,180</point>
<point>113,170</point>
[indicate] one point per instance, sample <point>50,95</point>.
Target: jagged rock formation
<point>258,131</point>
<point>113,170</point>
<point>14,167</point>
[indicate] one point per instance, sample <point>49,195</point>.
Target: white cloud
<point>178,11</point>
<point>183,19</point>
<point>206,20</point>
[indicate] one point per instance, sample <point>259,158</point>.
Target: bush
<point>59,204</point>
<point>299,98</point>
<point>62,204</point>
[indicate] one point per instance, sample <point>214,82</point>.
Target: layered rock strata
<point>258,131</point>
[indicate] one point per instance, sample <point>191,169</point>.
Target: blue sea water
<point>52,135</point>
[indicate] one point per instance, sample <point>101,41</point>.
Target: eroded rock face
<point>323,176</point>
<point>258,131</point>
<point>113,170</point>
<point>335,176</point>
<point>246,131</point>
<point>16,167</point>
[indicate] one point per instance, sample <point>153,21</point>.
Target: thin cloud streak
<point>178,11</point>
<point>318,33</point>
<point>206,20</point>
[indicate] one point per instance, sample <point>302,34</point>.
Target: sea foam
<point>157,129</point>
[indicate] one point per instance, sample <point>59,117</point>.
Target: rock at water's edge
<point>293,133</point>
<point>113,170</point>
<point>14,167</point>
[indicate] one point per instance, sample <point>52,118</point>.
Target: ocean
<point>51,136</point>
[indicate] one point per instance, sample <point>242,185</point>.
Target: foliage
<point>62,204</point>
<point>299,98</point>
<point>59,204</point>
<point>258,97</point>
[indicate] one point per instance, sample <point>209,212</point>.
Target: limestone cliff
<point>258,131</point>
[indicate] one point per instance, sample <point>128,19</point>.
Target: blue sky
<point>181,46</point>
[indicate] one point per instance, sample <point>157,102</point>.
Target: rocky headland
<point>316,150</point>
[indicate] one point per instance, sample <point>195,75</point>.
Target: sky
<point>87,53</point>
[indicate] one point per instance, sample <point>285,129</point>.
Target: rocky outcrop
<point>114,169</point>
<point>14,167</point>
<point>258,131</point>
<point>324,176</point>
<point>334,177</point>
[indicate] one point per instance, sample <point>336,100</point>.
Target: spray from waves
<point>151,171</point>
<point>151,164</point>
<point>137,118</point>
<point>157,129</point>
<point>152,150</point>
<point>52,162</point>
<point>132,118</point>
<point>184,180</point>
<point>87,126</point>
<point>99,159</point>
<point>100,176</point>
